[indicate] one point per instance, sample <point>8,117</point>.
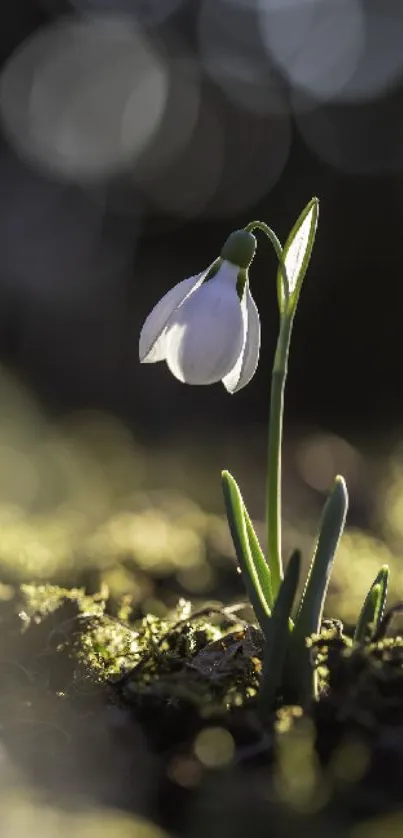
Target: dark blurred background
<point>135,136</point>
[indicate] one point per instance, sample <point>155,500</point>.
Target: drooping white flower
<point>207,328</point>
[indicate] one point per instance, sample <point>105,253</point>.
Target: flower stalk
<point>275,437</point>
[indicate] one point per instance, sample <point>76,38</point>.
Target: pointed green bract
<point>373,608</point>
<point>296,256</point>
<point>255,573</point>
<point>277,638</point>
<point>309,616</point>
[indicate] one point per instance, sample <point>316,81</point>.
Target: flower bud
<point>239,249</point>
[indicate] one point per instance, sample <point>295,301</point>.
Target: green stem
<point>278,380</point>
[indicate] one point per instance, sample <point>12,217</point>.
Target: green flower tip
<point>239,248</point>
<point>313,207</point>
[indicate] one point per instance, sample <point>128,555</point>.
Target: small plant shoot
<point>207,329</point>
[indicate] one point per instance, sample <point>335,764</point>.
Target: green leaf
<point>276,643</point>
<point>255,573</point>
<point>259,560</point>
<point>301,675</point>
<point>373,608</point>
<point>296,256</point>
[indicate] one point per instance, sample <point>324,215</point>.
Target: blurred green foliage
<point>82,503</point>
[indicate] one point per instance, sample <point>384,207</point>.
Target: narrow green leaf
<point>309,617</point>
<point>331,527</point>
<point>259,560</point>
<point>276,644</point>
<point>383,580</point>
<point>297,254</point>
<point>373,608</point>
<point>249,562</point>
<point>366,621</point>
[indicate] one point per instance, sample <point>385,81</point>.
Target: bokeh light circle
<point>316,44</point>
<point>82,98</point>
<point>235,57</point>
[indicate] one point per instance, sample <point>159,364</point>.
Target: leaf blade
<point>276,645</point>
<point>308,620</point>
<point>373,608</point>
<point>261,565</point>
<point>246,559</point>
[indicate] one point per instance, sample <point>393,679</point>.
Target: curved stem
<point>270,234</point>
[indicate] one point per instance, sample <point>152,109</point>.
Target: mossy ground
<point>159,716</point>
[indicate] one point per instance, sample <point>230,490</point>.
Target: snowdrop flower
<point>207,327</point>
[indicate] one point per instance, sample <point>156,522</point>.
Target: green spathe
<point>239,248</point>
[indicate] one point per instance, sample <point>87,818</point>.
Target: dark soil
<point>159,717</point>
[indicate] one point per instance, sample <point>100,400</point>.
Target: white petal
<point>152,336</point>
<point>246,364</point>
<point>205,335</point>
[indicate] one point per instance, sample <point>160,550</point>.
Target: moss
<point>176,674</point>
<point>364,683</point>
<point>207,659</point>
<point>171,675</point>
<point>70,661</point>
